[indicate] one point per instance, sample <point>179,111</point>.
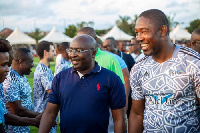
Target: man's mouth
<point>144,46</point>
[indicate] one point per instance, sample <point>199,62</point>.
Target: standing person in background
<point>121,46</point>
<point>64,63</point>
<point>135,50</point>
<point>165,83</point>
<point>84,93</point>
<point>17,89</point>
<point>43,77</point>
<point>110,44</point>
<point>195,40</point>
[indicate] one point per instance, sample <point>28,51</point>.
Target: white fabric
<point>179,34</point>
<point>118,34</point>
<point>56,37</point>
<point>58,58</point>
<point>18,37</point>
<point>137,57</point>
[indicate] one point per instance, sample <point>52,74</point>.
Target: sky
<point>44,14</point>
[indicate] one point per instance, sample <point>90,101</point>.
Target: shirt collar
<point>96,69</point>
<point>11,70</point>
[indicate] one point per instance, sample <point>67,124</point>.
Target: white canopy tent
<point>56,37</point>
<point>179,34</point>
<point>18,37</point>
<point>118,34</point>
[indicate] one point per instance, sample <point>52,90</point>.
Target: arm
<point>48,118</point>
<point>19,110</point>
<point>119,120</point>
<point>126,84</point>
<point>135,123</point>
<point>15,120</point>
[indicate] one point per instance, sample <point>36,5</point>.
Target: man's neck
<point>45,62</point>
<point>165,53</point>
<point>137,52</point>
<point>14,67</point>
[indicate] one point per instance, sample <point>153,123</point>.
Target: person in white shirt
<point>135,50</point>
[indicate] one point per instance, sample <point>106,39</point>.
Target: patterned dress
<point>17,87</point>
<point>170,90</point>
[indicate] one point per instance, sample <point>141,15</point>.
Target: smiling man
<point>165,83</point>
<point>84,93</point>
<point>17,89</point>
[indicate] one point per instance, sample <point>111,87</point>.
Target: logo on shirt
<point>98,87</point>
<point>173,72</point>
<point>160,99</point>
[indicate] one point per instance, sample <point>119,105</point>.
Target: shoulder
<point>12,77</point>
<point>41,68</point>
<point>64,73</point>
<point>189,52</point>
<point>107,73</point>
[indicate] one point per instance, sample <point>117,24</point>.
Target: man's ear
<point>94,52</point>
<point>21,62</point>
<point>44,53</point>
<point>163,30</point>
<point>193,43</point>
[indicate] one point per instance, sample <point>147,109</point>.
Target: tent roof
<point>18,37</point>
<point>179,34</point>
<point>56,37</point>
<point>118,34</point>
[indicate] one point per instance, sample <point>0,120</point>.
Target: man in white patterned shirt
<point>165,83</point>
<point>43,76</point>
<point>64,63</point>
<point>17,89</point>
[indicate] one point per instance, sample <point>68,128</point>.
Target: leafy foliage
<point>195,24</point>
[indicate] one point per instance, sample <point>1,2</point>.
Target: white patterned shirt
<point>17,87</point>
<point>61,65</point>
<point>42,82</point>
<point>170,90</point>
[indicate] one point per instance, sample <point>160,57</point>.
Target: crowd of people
<point>98,88</point>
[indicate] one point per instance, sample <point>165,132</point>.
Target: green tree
<point>36,35</point>
<point>84,24</point>
<point>195,24</point>
<point>71,31</point>
<point>123,24</point>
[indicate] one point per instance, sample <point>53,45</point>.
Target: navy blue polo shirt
<point>84,102</point>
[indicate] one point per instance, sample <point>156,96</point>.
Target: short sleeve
<point>11,90</point>
<point>137,91</point>
<point>117,93</point>
<point>45,80</point>
<point>197,80</point>
<point>54,94</point>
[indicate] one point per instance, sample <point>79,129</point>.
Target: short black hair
<point>21,53</point>
<point>63,46</point>
<point>89,31</point>
<point>197,31</point>
<point>157,17</point>
<point>112,39</point>
<point>5,45</point>
<point>43,45</point>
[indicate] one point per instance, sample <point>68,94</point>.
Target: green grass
<point>30,79</point>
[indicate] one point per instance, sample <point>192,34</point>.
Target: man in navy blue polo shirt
<point>84,93</point>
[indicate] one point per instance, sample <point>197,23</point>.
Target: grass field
<point>30,79</point>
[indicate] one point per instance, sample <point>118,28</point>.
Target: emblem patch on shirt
<point>162,99</point>
<point>98,87</point>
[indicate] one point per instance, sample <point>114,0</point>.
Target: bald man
<point>84,93</point>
